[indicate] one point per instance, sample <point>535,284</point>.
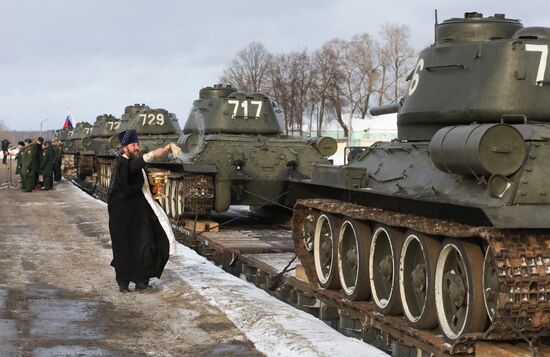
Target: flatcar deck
<point>262,256</point>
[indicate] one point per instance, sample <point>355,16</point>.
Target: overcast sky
<point>97,56</point>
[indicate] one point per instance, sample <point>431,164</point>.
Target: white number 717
<point>244,105</point>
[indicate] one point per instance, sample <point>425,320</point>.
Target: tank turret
<point>62,134</point>
<point>155,127</point>
<point>480,61</point>
<point>79,138</point>
<point>224,110</point>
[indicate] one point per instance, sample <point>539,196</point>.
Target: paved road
<point>58,295</point>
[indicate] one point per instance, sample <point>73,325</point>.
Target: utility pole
<point>42,122</point>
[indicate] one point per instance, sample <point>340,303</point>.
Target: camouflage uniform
<point>29,168</point>
<point>46,162</point>
<point>56,166</point>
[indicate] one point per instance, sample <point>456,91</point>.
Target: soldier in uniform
<point>29,167</point>
<point>37,155</point>
<point>5,147</point>
<point>46,162</point>
<point>19,158</point>
<point>57,160</point>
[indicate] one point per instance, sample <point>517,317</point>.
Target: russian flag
<point>68,122</point>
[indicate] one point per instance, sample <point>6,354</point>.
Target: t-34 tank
<point>62,134</point>
<point>449,224</point>
<point>234,152</point>
<point>155,127</point>
<point>98,143</point>
<point>77,141</point>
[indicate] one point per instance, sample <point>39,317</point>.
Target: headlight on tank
<point>326,146</point>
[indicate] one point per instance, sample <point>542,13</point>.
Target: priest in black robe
<point>140,245</point>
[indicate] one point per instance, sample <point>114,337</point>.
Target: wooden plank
<point>202,225</point>
<point>301,274</point>
<point>492,349</point>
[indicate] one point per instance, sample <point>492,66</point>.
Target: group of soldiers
<point>38,159</point>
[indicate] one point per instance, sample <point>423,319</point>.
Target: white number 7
<point>543,49</point>
<point>259,110</point>
<point>235,107</point>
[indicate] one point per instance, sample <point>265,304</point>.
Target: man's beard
<point>133,154</point>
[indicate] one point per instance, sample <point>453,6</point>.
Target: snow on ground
<point>275,328</point>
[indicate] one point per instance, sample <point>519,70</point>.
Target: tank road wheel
<point>490,283</point>
<point>173,197</point>
<point>180,197</point>
<point>459,289</point>
<point>416,279</point>
<point>353,257</point>
<point>309,229</point>
<point>384,269</point>
<point>325,251</point>
<point>166,200</point>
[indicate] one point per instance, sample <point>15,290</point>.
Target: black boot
<point>123,286</point>
<point>142,285</point>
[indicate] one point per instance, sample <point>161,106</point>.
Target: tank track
<point>69,165</point>
<point>522,259</point>
<point>198,193</point>
<point>85,166</point>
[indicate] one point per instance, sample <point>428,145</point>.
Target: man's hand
<point>159,152</point>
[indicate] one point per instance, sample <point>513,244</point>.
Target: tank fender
<point>339,176</point>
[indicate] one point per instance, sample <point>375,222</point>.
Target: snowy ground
<point>275,328</point>
<point>58,296</point>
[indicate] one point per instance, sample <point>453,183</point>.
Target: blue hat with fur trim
<point>128,137</point>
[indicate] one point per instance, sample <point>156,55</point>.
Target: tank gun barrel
<point>384,109</point>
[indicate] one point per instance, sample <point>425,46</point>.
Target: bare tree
<point>292,82</point>
<point>397,57</point>
<point>279,86</point>
<point>249,70</point>
<point>342,77</point>
<point>362,59</point>
<point>327,64</point>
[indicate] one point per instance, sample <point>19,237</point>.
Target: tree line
<point>14,136</point>
<point>339,81</point>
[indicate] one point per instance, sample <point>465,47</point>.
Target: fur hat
<point>128,137</point>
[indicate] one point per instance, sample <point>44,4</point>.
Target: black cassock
<point>140,245</point>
